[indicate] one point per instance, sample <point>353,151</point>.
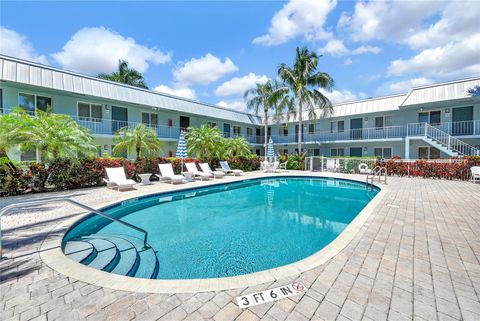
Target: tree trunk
<point>300,111</point>
<point>266,132</point>
<point>138,153</point>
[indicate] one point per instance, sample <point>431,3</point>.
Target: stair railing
<point>450,142</point>
<point>69,200</point>
<point>378,172</point>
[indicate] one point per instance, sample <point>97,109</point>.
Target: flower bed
<point>447,169</point>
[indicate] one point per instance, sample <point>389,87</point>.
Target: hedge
<point>65,174</point>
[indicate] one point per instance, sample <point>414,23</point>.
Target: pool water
<point>237,228</point>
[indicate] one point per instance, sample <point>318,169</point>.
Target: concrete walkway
<point>416,257</point>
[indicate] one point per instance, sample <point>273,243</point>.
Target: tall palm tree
<point>304,80</point>
<point>268,96</point>
<point>54,135</point>
<point>141,139</point>
<point>125,75</point>
<point>204,141</point>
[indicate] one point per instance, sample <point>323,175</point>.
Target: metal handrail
<point>69,200</point>
<point>380,171</point>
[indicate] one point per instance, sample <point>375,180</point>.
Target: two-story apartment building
<point>435,121</point>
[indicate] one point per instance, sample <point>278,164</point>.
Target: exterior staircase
<point>119,254</point>
<point>443,141</point>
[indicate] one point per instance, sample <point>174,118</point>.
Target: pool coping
<point>52,255</point>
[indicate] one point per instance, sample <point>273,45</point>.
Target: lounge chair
<point>475,174</point>
<point>363,169</point>
<point>227,170</point>
<point>192,168</point>
<point>206,169</point>
<point>117,179</point>
<point>166,173</point>
<point>276,167</point>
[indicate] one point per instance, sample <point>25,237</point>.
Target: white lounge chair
<point>276,167</point>
<point>363,169</point>
<point>227,170</point>
<point>206,169</point>
<point>475,174</point>
<point>166,173</point>
<point>117,179</point>
<point>192,168</point>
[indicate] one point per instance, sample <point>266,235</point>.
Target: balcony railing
<point>464,128</point>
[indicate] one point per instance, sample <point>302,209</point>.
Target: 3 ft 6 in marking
<point>270,295</point>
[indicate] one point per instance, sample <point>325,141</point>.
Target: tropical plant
<point>304,80</point>
<point>204,141</point>
<point>54,135</point>
<point>266,97</point>
<point>474,91</point>
<point>125,75</point>
<point>235,147</point>
<point>141,139</point>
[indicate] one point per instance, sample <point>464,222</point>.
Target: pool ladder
<point>378,172</point>
<point>69,200</point>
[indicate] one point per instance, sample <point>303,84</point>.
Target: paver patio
<point>416,257</point>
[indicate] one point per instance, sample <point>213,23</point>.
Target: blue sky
<point>213,51</point>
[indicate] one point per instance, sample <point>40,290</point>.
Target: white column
<point>407,148</point>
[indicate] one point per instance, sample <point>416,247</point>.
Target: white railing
<point>459,128</point>
<point>450,142</point>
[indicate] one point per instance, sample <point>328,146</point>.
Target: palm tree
<point>204,141</point>
<point>268,96</point>
<point>125,75</point>
<point>141,139</point>
<point>304,80</point>
<point>54,135</point>
<point>235,147</point>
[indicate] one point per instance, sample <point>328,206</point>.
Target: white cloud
<point>348,61</point>
<point>16,45</point>
<point>452,60</point>
<point>335,47</point>
<point>238,85</point>
<point>98,49</point>
<point>180,92</point>
<point>298,18</point>
<point>459,20</point>
<point>366,49</point>
<point>342,95</point>
<point>203,71</point>
<point>406,85</point>
<point>238,105</point>
<point>388,20</point>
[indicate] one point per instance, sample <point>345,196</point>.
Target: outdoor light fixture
<point>447,110</point>
<point>107,108</point>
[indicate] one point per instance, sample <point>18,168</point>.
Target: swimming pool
<point>222,230</point>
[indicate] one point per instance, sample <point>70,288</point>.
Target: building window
<point>150,119</point>
<point>30,102</point>
<point>236,131</point>
<point>383,152</point>
<point>428,153</point>
<point>283,130</point>
<point>90,112</point>
<point>383,121</point>
<point>337,126</point>
<point>311,128</point>
<point>283,151</point>
<point>249,132</point>
<point>431,117</point>
<point>337,152</point>
<point>257,152</point>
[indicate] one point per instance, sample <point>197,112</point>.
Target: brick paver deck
<point>417,257</point>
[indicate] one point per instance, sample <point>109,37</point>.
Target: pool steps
<point>119,254</point>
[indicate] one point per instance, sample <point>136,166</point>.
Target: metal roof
<point>439,92</point>
<point>25,72</point>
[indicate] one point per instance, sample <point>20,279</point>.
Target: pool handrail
<point>71,201</point>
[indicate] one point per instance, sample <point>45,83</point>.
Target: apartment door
<point>356,126</point>
<point>462,121</point>
<point>258,136</point>
<point>119,118</point>
<point>226,130</point>
<point>184,122</point>
<point>356,151</point>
